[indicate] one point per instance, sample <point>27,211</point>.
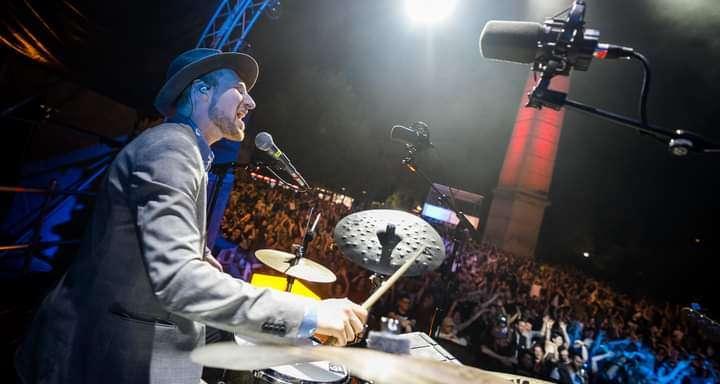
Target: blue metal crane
<point>232,21</point>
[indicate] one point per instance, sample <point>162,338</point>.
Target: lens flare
<point>429,11</point>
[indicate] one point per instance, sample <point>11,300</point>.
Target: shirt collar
<point>207,154</point>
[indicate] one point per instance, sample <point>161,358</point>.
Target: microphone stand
<point>458,237</point>
<point>257,165</point>
<point>574,48</point>
<point>220,171</point>
<point>680,142</point>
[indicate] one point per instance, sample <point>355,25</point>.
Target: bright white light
<point>429,11</point>
<point>586,254</point>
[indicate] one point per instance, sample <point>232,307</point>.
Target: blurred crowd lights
<point>322,193</point>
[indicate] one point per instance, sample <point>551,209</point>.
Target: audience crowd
<point>505,313</point>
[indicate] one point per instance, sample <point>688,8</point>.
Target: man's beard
<point>231,128</point>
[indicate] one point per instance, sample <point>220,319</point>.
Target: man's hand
<point>341,319</point>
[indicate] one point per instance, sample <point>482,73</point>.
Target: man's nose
<point>249,101</point>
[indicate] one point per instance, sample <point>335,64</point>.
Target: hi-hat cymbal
<point>305,269</point>
<point>381,239</point>
<point>375,366</point>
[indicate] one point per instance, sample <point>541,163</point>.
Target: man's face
<point>448,325</point>
<point>229,104</point>
<point>404,305</point>
<point>538,352</point>
<point>524,326</point>
<point>564,356</point>
<point>677,336</point>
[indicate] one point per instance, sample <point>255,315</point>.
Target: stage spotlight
<point>429,11</point>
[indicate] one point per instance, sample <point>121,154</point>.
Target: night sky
<point>336,75</point>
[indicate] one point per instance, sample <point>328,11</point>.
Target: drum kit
<point>389,243</point>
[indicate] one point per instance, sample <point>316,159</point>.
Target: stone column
<point>520,199</point>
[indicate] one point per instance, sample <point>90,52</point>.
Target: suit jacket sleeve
<point>164,186</point>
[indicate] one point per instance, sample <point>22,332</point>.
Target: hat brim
<point>244,65</point>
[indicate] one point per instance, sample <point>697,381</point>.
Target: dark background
<point>336,75</point>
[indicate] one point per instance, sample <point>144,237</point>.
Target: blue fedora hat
<point>197,62</point>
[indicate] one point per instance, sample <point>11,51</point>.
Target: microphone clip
<point>566,45</point>
<point>542,96</point>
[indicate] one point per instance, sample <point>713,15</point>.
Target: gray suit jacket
<point>133,304</point>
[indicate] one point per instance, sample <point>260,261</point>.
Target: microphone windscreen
<point>515,41</point>
<point>263,141</point>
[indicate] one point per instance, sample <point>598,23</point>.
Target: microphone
<point>264,142</point>
<point>418,135</point>
<point>527,42</point>
<point>522,42</point>
<point>556,47</point>
<point>513,41</point>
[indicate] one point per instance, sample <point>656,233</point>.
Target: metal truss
<point>232,21</point>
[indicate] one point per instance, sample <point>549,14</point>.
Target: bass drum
<point>316,372</point>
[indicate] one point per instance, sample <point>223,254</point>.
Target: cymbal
<point>380,240</point>
<point>305,269</point>
<point>375,366</point>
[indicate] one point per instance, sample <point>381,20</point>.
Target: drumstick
<point>387,284</point>
<point>382,289</point>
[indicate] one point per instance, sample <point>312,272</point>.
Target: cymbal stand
<point>300,251</point>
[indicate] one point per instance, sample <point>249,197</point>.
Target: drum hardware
<point>296,266</point>
<point>304,373</point>
<point>304,269</point>
<point>386,242</point>
<point>380,240</point>
<point>375,366</point>
<point>282,369</point>
<point>387,284</point>
<point>300,251</point>
<point>389,342</point>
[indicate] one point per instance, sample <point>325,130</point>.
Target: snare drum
<point>304,373</point>
<point>316,372</point>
